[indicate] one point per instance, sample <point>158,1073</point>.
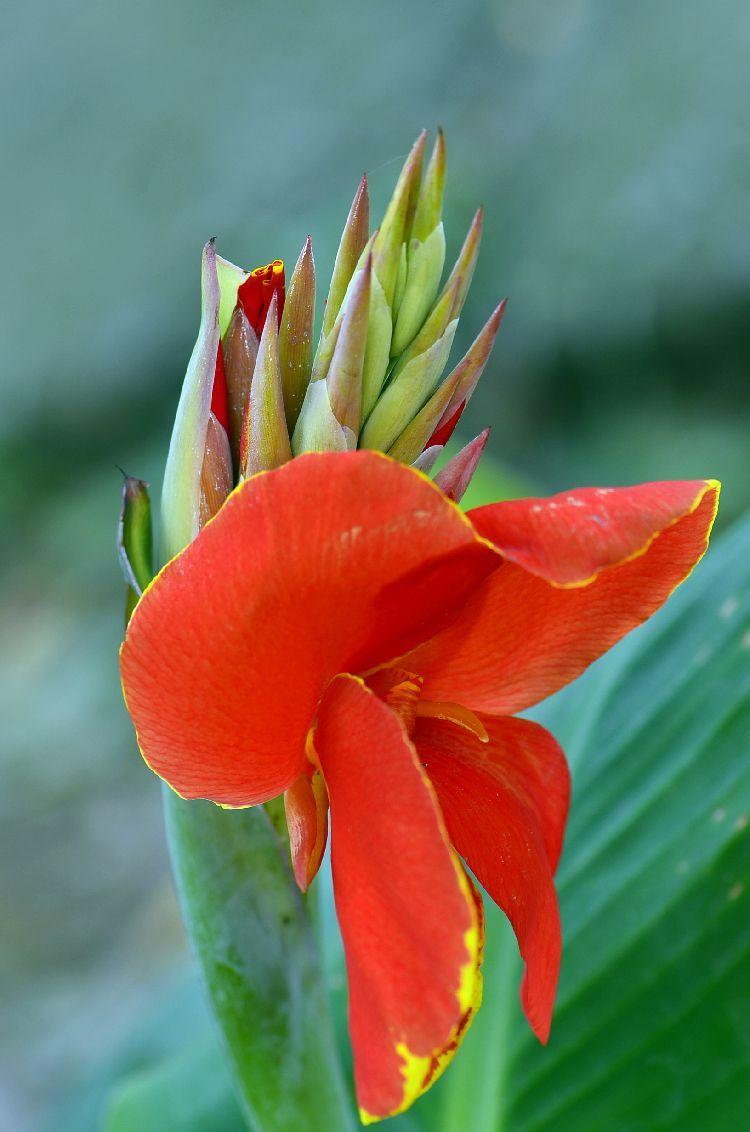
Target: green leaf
<point>652,1025</point>
<point>253,939</point>
<point>190,1092</point>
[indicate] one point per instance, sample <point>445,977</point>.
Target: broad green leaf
<point>190,1092</point>
<point>253,939</point>
<point>652,1026</point>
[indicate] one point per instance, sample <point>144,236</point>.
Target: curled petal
<point>505,803</point>
<point>334,562</point>
<point>567,591</point>
<point>410,922</point>
<point>306,808</point>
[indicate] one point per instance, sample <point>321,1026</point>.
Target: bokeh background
<point>609,144</point>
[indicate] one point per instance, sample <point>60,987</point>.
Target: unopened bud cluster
<point>259,391</point>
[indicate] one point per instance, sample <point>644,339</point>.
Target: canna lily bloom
<point>334,630</point>
<point>341,632</point>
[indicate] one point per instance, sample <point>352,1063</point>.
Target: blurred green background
<point>609,144</point>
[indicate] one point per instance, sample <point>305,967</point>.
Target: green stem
<point>253,939</point>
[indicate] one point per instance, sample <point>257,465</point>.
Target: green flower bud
<point>425,266</point>
<point>353,241</point>
<point>406,393</point>
<point>296,334</point>
<point>265,438</point>
<point>181,491</point>
<point>135,540</point>
<point>396,226</point>
<point>317,429</point>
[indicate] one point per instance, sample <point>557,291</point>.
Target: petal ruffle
<point>334,562</point>
<point>505,803</point>
<point>410,920</point>
<point>569,590</point>
<point>570,538</point>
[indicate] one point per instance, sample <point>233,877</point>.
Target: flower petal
<point>566,595</point>
<point>505,803</point>
<point>306,809</point>
<point>570,538</point>
<point>411,925</point>
<point>334,562</point>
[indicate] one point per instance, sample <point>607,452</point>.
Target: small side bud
<point>296,334</point>
<point>353,240</point>
<point>216,473</point>
<point>240,348</point>
<point>265,437</point>
<point>135,540</point>
<point>456,476</point>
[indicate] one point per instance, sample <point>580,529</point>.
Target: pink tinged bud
<point>181,492</point>
<point>344,377</point>
<point>353,240</point>
<point>265,437</point>
<point>396,225</point>
<point>463,269</point>
<point>216,473</point>
<point>456,476</point>
<point>427,460</point>
<point>468,372</point>
<point>240,348</point>
<point>416,436</point>
<point>296,334</point>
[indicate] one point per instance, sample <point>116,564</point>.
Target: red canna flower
<point>342,634</point>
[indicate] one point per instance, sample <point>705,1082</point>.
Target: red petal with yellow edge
<point>306,808</point>
<point>334,562</point>
<point>408,916</point>
<point>505,803</point>
<point>523,635</point>
<point>569,538</point>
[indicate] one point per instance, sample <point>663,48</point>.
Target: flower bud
<point>426,254</point>
<point>265,436</point>
<point>456,476</point>
<point>396,226</point>
<point>416,436</point>
<point>181,491</point>
<point>135,540</point>
<point>296,334</point>
<point>353,240</point>
<point>240,348</point>
<point>407,393</point>
<point>216,472</point>
<point>344,378</point>
<point>467,374</point>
